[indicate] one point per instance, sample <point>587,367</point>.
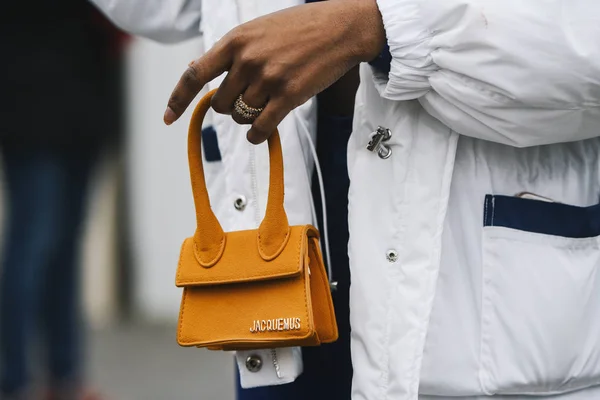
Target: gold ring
<point>244,110</point>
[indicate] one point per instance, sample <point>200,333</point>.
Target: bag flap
<point>241,261</point>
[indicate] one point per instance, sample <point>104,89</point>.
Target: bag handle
<point>209,238</point>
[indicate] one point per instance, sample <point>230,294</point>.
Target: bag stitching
<point>277,252</point>
<point>216,258</point>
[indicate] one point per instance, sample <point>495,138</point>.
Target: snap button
<point>392,256</point>
<point>253,363</point>
<point>240,203</point>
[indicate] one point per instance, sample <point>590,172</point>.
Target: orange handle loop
<point>209,238</point>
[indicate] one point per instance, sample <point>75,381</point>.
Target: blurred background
<point>137,210</point>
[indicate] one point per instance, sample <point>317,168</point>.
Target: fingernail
<point>169,116</point>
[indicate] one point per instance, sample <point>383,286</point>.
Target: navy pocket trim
<point>541,217</point>
<point>210,143</point>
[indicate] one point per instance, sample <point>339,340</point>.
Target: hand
<point>281,60</point>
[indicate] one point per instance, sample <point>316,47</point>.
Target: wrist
<point>370,33</point>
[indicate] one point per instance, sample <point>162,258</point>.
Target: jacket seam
<point>401,233</point>
<point>436,254</point>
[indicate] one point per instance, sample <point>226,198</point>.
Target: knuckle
<point>190,76</point>
<point>239,119</point>
<point>248,60</point>
<point>173,106</point>
<point>235,38</point>
<point>218,105</point>
<point>262,128</point>
<point>292,90</point>
<point>176,103</point>
<point>272,77</point>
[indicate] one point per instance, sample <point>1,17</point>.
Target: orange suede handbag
<point>262,288</point>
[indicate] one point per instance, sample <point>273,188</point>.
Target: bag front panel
<point>250,312</point>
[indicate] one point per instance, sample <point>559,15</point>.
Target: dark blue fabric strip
<point>210,143</point>
<point>383,62</point>
<point>333,133</point>
<point>542,217</point>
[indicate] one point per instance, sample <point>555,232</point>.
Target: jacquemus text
<point>275,325</point>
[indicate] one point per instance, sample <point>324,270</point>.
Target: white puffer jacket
<point>461,287</point>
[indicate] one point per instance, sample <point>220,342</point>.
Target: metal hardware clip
<point>376,144</point>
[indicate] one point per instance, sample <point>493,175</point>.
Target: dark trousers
<point>45,194</point>
<point>328,368</point>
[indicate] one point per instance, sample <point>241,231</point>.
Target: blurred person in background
<point>58,111</point>
<point>238,207</point>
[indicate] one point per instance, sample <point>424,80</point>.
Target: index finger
<point>199,72</point>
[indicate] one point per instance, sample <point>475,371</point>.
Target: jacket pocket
<point>541,297</point>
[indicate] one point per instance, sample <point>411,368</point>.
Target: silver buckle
<point>377,142</point>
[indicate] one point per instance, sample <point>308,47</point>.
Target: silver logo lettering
<point>275,325</point>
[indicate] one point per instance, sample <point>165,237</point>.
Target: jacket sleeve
<point>166,21</point>
<point>521,73</point>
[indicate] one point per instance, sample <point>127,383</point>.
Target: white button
<point>240,203</point>
<point>253,363</point>
<point>392,256</point>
